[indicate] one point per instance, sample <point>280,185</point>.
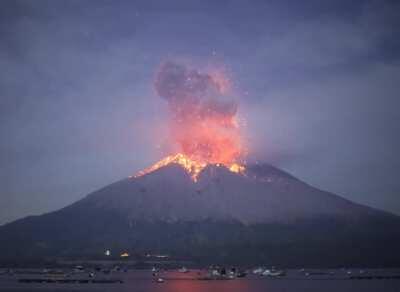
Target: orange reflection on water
<point>236,285</point>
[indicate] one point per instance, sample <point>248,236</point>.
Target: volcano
<point>257,214</point>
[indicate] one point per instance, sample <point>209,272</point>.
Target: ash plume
<point>203,120</point>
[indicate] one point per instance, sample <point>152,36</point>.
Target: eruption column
<point>202,118</point>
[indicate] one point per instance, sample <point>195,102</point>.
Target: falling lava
<point>203,120</point>
<point>192,167</point>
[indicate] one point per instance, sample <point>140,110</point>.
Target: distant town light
<point>124,255</point>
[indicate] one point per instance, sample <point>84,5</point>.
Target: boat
<point>221,273</point>
<point>183,270</point>
<point>258,271</point>
<point>273,273</point>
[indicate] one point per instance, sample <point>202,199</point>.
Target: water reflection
<point>207,286</point>
<point>143,281</point>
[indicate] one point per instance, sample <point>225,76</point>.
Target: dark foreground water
<point>138,281</point>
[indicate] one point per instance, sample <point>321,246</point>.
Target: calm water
<point>137,281</point>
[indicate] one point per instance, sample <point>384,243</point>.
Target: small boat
<point>159,280</point>
<point>258,271</point>
<point>183,270</point>
<point>273,273</point>
<point>215,273</point>
<point>221,273</point>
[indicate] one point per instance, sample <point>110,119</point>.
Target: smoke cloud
<point>202,118</point>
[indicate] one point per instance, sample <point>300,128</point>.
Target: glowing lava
<point>193,167</point>
<point>203,121</point>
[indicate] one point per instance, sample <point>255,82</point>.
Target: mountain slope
<point>264,194</point>
<point>264,215</point>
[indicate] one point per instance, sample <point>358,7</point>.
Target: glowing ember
<point>203,116</point>
<point>193,167</point>
<point>236,168</point>
<point>203,121</point>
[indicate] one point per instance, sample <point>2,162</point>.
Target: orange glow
<point>211,139</point>
<point>203,119</point>
<point>192,167</point>
<point>208,130</point>
<point>124,255</point>
<point>236,168</point>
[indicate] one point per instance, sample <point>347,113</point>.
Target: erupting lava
<point>191,166</point>
<point>203,120</point>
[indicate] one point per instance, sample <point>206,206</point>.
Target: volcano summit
<point>260,215</point>
<point>203,204</point>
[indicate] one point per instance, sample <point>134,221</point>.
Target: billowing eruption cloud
<point>203,119</point>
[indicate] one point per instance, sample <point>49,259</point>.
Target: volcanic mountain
<point>253,215</point>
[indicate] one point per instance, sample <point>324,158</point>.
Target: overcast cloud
<point>317,82</point>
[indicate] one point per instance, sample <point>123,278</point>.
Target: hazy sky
<point>318,83</point>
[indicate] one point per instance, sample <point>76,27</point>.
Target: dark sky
<point>318,84</point>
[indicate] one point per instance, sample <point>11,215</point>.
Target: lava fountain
<point>203,119</point>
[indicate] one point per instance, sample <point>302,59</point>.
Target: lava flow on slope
<point>193,167</point>
<point>203,120</point>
